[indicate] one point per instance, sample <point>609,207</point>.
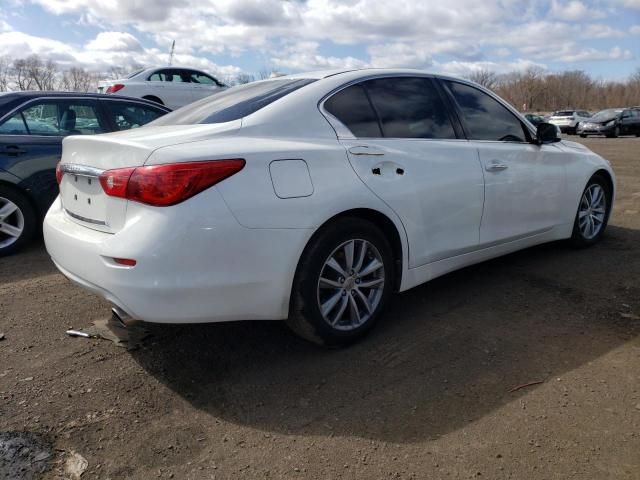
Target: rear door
<point>524,182</point>
<point>31,141</point>
<point>404,146</point>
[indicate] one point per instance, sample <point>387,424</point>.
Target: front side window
<point>127,115</point>
<point>409,107</point>
<point>55,118</point>
<point>203,79</point>
<point>484,117</point>
<point>233,103</point>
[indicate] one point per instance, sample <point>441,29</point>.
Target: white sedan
<point>314,197</point>
<point>170,86</point>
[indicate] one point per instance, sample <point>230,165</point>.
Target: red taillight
<point>127,262</point>
<point>164,185</point>
<point>115,88</point>
<point>59,173</point>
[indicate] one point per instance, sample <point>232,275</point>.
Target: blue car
<point>32,126</point>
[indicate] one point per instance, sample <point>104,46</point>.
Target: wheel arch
<point>154,98</point>
<point>381,221</point>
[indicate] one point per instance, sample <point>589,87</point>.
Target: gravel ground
<point>426,395</point>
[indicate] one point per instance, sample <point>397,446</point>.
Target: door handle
<point>365,150</point>
<point>14,150</point>
<point>495,166</point>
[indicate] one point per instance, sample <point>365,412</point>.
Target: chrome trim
<point>81,170</point>
<point>85,219</point>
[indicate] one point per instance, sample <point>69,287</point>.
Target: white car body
<point>231,251</point>
<point>568,120</point>
<point>170,86</point>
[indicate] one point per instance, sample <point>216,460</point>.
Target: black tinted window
<point>351,106</point>
<point>409,108</point>
<point>127,115</point>
<point>484,117</point>
<point>233,103</point>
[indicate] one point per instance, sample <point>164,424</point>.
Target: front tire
<point>17,220</point>
<point>593,213</point>
<point>342,283</point>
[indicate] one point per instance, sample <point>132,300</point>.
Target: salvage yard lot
<point>426,395</point>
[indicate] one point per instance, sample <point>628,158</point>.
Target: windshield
<point>564,113</point>
<point>233,103</point>
<point>606,114</point>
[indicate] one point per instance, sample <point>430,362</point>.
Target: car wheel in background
<point>344,278</point>
<point>593,212</point>
<point>17,220</point>
<point>582,135</point>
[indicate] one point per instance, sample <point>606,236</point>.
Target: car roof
<point>17,98</point>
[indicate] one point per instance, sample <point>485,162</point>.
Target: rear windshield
<point>564,113</point>
<point>233,103</point>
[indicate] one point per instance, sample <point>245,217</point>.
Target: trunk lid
<point>84,157</point>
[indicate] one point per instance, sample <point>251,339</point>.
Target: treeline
<point>539,91</point>
<point>533,89</point>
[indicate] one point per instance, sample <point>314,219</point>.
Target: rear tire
<point>17,220</point>
<point>592,216</point>
<point>340,308</point>
<point>582,135</point>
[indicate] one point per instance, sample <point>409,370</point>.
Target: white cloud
<point>107,49</point>
<point>634,30</point>
<point>305,56</point>
<point>115,41</point>
<point>574,10</point>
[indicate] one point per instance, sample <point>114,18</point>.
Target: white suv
<point>568,120</point>
<point>170,86</point>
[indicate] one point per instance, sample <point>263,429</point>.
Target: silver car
<point>568,120</point>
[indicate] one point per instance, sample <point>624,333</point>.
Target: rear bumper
<point>195,262</point>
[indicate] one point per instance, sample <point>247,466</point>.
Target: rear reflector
<point>115,88</point>
<point>125,261</point>
<point>59,173</point>
<point>165,185</point>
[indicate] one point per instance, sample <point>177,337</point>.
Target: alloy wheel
<point>592,212</point>
<point>11,222</point>
<point>351,284</point>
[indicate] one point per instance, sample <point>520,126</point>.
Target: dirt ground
<point>426,395</point>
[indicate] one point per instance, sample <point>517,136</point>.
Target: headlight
<point>610,123</point>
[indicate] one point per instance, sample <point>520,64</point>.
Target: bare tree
<point>116,73</point>
<point>42,74</point>
<point>78,80</point>
<point>5,72</point>
<point>243,78</point>
<point>486,78</point>
<point>21,76</point>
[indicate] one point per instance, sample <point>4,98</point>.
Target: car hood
<point>132,148</point>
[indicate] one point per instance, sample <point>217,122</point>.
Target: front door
<point>524,182</point>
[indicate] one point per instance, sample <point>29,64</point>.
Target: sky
<point>230,37</point>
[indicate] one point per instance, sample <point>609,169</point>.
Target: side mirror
<point>546,133</point>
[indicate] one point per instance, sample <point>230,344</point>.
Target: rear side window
<point>409,108</point>
<point>126,115</point>
<point>484,117</point>
<point>352,107</point>
<point>233,103</point>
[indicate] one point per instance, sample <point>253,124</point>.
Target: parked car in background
<point>568,120</point>
<point>538,119</point>
<point>170,86</point>
<point>313,197</point>
<point>612,123</point>
<point>32,126</point>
